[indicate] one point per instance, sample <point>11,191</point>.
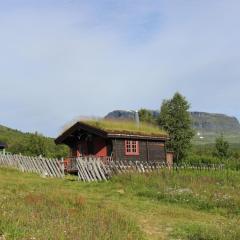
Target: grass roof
<point>126,127</point>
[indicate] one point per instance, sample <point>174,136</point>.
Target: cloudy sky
<point>60,59</point>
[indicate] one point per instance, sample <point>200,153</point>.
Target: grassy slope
<point>9,135</point>
<point>18,142</point>
<point>183,205</point>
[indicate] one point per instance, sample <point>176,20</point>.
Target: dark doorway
<point>90,146</point>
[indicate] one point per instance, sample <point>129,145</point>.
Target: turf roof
<point>126,127</point>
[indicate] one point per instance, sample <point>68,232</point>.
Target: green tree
<point>146,116</point>
<point>175,119</point>
<point>221,148</point>
<point>37,145</point>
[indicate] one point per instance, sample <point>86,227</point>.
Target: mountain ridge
<point>207,125</point>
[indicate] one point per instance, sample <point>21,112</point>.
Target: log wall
<point>148,150</point>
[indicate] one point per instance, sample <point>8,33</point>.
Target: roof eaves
<point>137,136</point>
<point>83,126</point>
<point>66,133</point>
<point>92,129</point>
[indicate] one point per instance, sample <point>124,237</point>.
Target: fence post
<point>62,166</point>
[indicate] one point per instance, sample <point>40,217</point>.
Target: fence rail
<point>40,165</point>
<point>91,168</point>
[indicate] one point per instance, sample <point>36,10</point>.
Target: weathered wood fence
<point>94,169</point>
<point>40,165</point>
<point>97,169</point>
<point>91,168</point>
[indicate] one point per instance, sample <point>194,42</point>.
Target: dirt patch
<point>80,201</point>
<point>35,199</point>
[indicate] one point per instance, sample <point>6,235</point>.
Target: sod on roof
<point>126,127</point>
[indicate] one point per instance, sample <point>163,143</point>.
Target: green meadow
<point>185,204</point>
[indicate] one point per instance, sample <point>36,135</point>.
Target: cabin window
<point>131,147</point>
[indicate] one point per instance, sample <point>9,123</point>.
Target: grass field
<point>166,205</point>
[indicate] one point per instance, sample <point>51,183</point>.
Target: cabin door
<point>86,147</point>
<point>90,147</point>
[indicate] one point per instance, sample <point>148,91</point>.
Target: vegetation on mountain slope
<point>31,143</point>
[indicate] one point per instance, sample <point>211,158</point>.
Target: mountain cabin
<point>115,140</point>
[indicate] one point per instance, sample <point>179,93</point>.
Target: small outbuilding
<point>118,140</point>
<point>3,147</point>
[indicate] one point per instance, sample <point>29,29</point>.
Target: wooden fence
<point>91,168</point>
<point>94,169</point>
<point>40,165</point>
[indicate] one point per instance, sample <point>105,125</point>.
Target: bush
<point>203,159</point>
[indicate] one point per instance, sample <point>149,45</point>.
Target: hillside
<point>30,144</point>
<point>207,125</point>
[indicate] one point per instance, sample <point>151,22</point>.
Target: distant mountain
<point>207,125</point>
<point>215,123</point>
<point>121,115</point>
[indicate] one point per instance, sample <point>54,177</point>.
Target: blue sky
<point>61,59</point>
